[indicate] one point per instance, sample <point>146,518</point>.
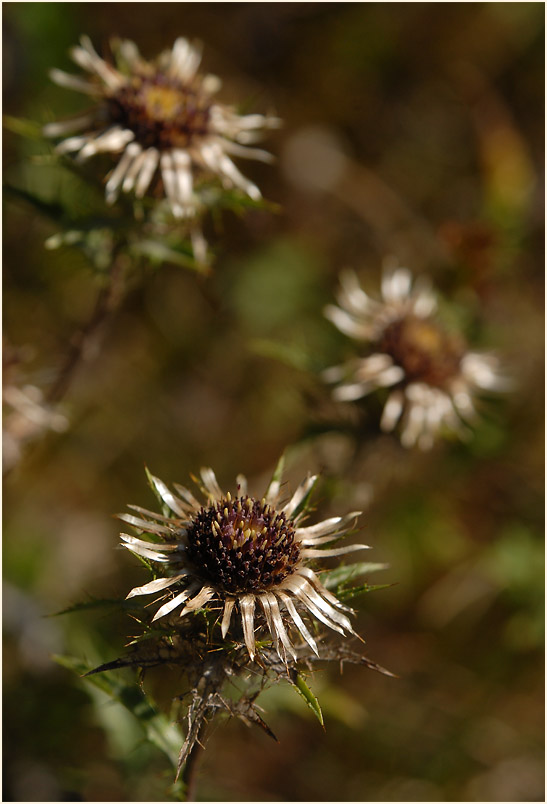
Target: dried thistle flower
<point>238,551</point>
<point>433,377</point>
<point>27,415</point>
<point>225,556</point>
<point>158,114</point>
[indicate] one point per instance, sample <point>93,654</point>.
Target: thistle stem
<point>84,341</point>
<point>189,774</point>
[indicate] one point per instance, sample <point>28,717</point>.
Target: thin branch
<point>81,348</point>
<point>189,774</point>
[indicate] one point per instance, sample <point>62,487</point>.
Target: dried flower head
<point>158,114</point>
<point>26,419</point>
<point>239,551</point>
<point>27,415</point>
<point>432,375</point>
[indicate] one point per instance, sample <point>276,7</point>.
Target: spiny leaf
<point>349,572</point>
<point>277,476</point>
<point>353,591</point>
<point>81,668</point>
<point>341,653</point>
<point>151,633</point>
<point>303,689</point>
<point>97,603</point>
<point>158,729</point>
<point>116,664</point>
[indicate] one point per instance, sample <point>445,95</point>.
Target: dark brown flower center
<point>424,351</point>
<point>242,545</point>
<point>161,111</point>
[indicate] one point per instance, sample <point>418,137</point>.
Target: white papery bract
<point>433,379</point>
<point>249,555</point>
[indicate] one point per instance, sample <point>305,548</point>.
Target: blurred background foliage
<point>411,130</point>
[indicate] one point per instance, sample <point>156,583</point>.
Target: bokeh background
<point>411,130</point>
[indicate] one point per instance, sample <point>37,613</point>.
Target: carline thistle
<point>249,555</point>
<point>162,120</point>
<point>432,377</point>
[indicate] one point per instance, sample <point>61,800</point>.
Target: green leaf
<point>237,201</point>
<point>304,502</point>
<point>97,603</point>
<point>158,729</point>
<point>146,562</point>
<point>303,689</point>
<point>349,572</point>
<point>285,353</point>
<point>51,210</point>
<point>353,591</point>
<point>277,477</point>
<point>24,128</point>
<point>158,253</point>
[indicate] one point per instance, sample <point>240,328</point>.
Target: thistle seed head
<point>424,351</point>
<point>161,113</point>
<point>243,545</point>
